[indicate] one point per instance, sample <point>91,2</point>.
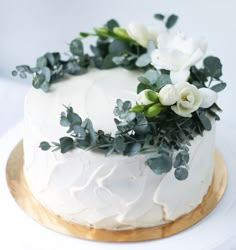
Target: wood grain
<point>24,198</point>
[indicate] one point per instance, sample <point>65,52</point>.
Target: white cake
<point>116,192</point>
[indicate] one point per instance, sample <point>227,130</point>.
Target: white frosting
<point>115,192</point>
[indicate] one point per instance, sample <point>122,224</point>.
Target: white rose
<point>168,95</point>
<point>142,34</point>
<point>177,53</point>
<point>146,97</point>
<point>209,97</point>
<point>189,101</point>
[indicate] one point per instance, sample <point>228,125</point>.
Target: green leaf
<point>119,144</point>
<point>213,66</point>
<point>160,164</point>
<point>38,80</point>
<point>143,86</point>
<point>150,46</point>
<point>52,59</point>
<point>219,87</point>
<point>76,47</point>
<point>154,110</point>
<point>111,24</point>
<point>47,73</point>
<point>143,79</point>
<point>84,34</point>
<point>162,80</point>
<point>44,146</point>
<point>213,114</point>
<point>172,19</point>
<point>151,75</point>
<point>117,47</point>
<point>181,173</point>
<point>79,131</point>
<point>143,60</point>
<point>206,123</point>
<point>45,86</point>
<point>132,149</point>
<point>14,73</point>
<point>73,118</point>
<point>108,62</point>
<point>41,62</point>
<point>159,17</point>
<point>118,60</point>
<point>67,144</point>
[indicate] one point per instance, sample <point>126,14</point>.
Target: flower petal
<point>209,97</point>
<point>179,76</point>
<point>138,32</point>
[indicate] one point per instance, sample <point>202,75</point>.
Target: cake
<point>148,177</point>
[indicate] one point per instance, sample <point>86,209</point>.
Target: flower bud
<point>146,97</point>
<point>154,110</point>
<point>168,95</point>
<point>121,33</point>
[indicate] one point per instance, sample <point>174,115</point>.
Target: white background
<point>29,28</point>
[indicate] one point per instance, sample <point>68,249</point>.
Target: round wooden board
<point>24,198</point>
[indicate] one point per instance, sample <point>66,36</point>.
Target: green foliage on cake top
<point>176,99</point>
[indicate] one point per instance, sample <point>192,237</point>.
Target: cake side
<point>115,192</point>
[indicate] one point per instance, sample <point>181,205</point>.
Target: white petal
<point>138,32</point>
<point>181,112</point>
<point>179,76</point>
<point>168,95</point>
<point>209,97</point>
<point>195,58</point>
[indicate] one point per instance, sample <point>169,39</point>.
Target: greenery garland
<point>152,129</point>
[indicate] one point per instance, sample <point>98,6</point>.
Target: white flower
<point>146,97</point>
<point>177,53</point>
<point>209,97</point>
<point>168,95</point>
<point>189,101</point>
<point>142,34</point>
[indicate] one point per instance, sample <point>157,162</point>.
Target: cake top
<point>175,99</point>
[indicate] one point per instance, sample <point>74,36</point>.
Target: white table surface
<point>214,18</point>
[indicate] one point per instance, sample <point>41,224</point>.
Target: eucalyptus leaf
<point>171,21</point>
<point>143,60</point>
<point>159,17</point>
<point>213,66</point>
<point>143,86</point>
<point>117,47</point>
<point>162,163</point>
<point>76,47</point>
<point>181,173</point>
<point>132,149</point>
<point>67,144</point>
<point>44,146</point>
<point>219,87</point>
<point>204,120</point>
<point>64,122</point>
<point>119,144</point>
<point>108,62</point>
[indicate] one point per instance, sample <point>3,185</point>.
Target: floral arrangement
<point>176,100</point>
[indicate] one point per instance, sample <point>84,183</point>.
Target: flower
<point>190,99</point>
<point>142,34</point>
<point>209,97</point>
<point>146,97</point>
<point>168,95</point>
<point>177,53</point>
